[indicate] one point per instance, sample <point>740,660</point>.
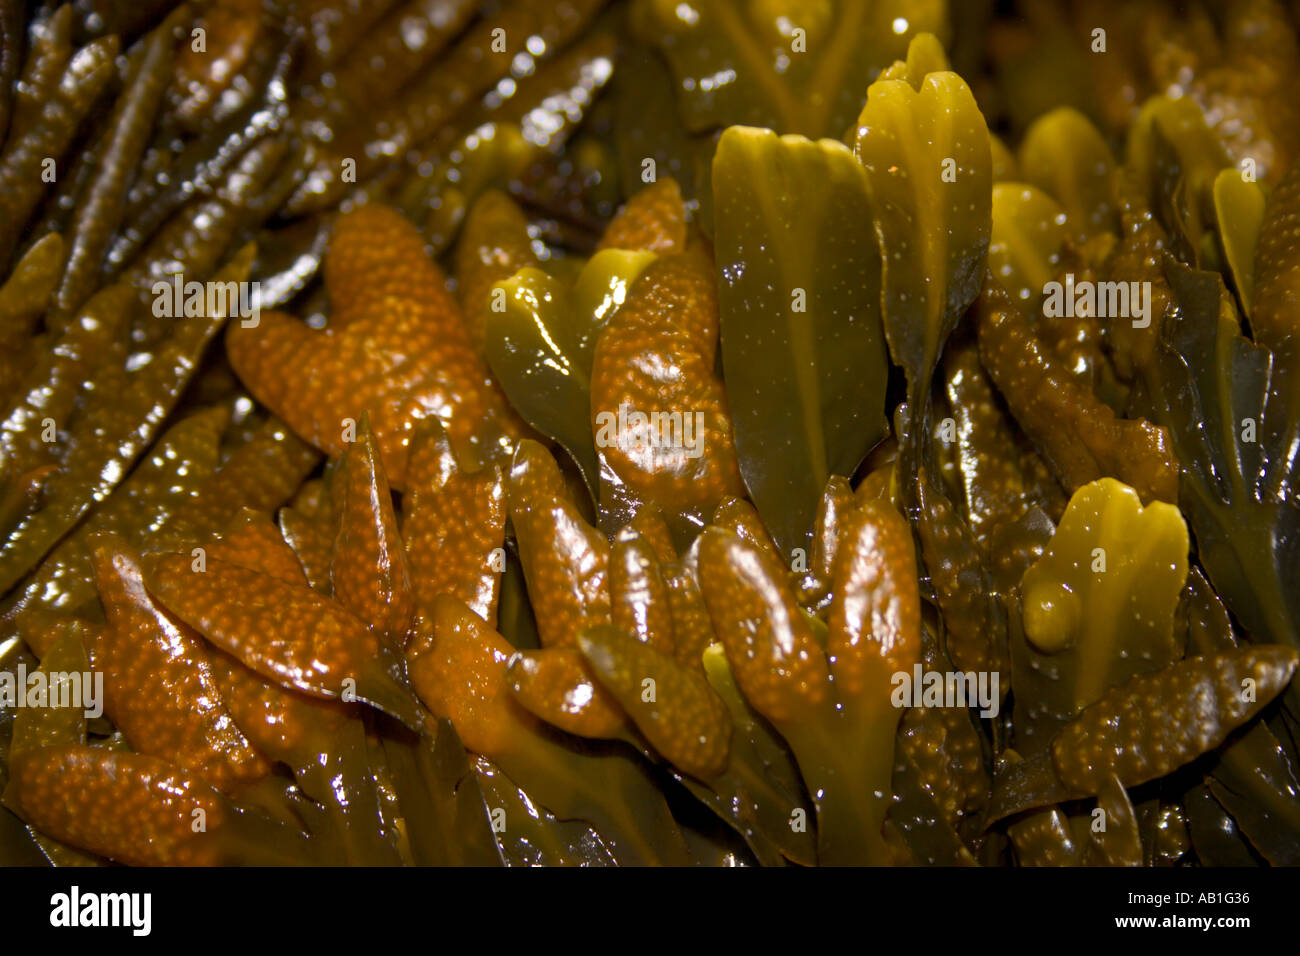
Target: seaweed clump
<point>630,433</point>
